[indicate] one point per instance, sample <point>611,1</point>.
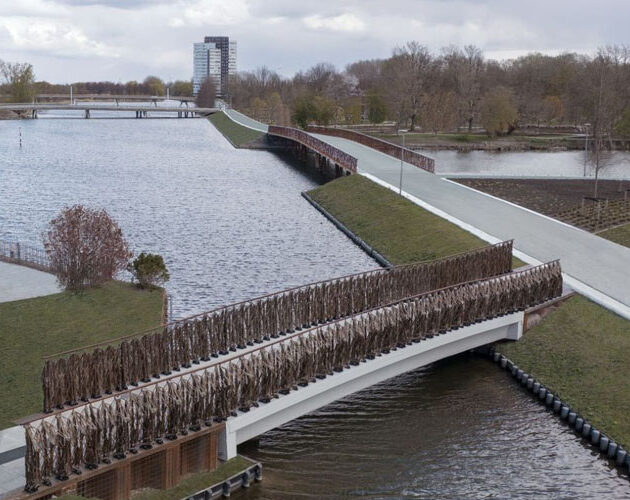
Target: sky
<point>121,40</point>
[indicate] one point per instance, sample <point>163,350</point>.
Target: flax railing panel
<point>59,445</point>
<point>340,157</point>
<point>389,148</point>
<point>81,375</point>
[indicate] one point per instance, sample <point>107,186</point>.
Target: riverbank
<point>482,142</point>
<point>580,352</point>
<point>32,328</point>
<point>395,227</point>
<point>238,135</point>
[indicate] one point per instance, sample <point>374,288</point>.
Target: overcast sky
<point>120,40</point>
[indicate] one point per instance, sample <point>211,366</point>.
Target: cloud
<point>54,38</point>
<point>343,22</point>
<point>212,13</point>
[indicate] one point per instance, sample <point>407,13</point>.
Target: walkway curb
<point>358,241</point>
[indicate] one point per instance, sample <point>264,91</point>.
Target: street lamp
<point>402,152</point>
<point>586,126</point>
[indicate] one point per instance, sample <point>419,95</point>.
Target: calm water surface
<point>231,224</point>
<point>526,164</point>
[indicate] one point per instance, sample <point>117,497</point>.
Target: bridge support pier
<point>34,113</point>
<point>87,113</point>
<point>227,444</point>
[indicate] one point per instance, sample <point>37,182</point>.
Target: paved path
<point>594,266</point>
<point>19,282</point>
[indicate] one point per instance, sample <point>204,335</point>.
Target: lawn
<point>32,328</point>
<point>619,235</point>
<point>397,228</point>
<point>237,134</point>
<point>581,352</point>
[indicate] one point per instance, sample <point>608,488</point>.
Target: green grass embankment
<point>400,230</point>
<point>32,328</point>
<point>619,235</point>
<point>581,352</point>
<point>238,135</point>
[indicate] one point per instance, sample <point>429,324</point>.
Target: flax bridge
<point>230,374</point>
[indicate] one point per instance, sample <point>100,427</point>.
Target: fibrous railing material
<point>389,148</point>
<point>82,375</point>
<point>84,437</point>
<point>340,157</point>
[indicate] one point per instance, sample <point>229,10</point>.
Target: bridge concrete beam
<point>256,421</point>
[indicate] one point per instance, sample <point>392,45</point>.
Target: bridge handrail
<point>340,157</point>
<point>525,278</point>
<point>16,252</point>
<point>179,344</point>
<point>389,148</point>
<point>56,444</point>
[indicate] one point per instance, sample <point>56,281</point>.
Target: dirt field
<point>546,196</point>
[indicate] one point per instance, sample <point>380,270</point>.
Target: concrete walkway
<point>19,282</point>
<point>598,268</point>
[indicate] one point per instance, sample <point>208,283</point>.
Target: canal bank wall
<point>581,426</point>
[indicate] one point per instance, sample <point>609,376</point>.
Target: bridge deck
<point>105,107</point>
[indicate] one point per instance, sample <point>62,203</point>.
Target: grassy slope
<point>32,328</point>
<point>190,485</point>
<point>619,235</point>
<point>233,132</point>
<point>397,228</point>
<point>591,375</point>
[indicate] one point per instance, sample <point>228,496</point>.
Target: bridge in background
<point>141,111</point>
<point>112,97</point>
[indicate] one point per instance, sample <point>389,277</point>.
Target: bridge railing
<point>18,253</point>
<point>112,365</point>
<point>59,444</point>
<point>389,148</point>
<point>341,158</point>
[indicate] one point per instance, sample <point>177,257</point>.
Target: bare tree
<point>86,247</point>
<point>207,94</point>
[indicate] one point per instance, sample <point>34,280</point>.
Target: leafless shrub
<point>86,247</point>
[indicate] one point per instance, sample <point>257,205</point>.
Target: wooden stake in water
<point>20,132</point>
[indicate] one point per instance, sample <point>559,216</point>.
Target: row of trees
<point>457,88</point>
<point>18,82</point>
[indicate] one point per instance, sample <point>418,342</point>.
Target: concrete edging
<point>358,241</point>
<point>225,488</point>
<point>606,446</point>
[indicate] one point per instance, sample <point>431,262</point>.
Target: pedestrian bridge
<point>141,110</point>
<point>249,367</point>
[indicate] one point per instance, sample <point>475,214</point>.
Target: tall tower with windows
<point>214,58</point>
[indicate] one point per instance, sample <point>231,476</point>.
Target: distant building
<point>214,58</point>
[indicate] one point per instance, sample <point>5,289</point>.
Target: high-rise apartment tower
<point>214,58</point>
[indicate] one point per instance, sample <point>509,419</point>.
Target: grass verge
<point>238,135</point>
<point>32,328</point>
<point>581,351</point>
<point>397,228</point>
<point>619,235</point>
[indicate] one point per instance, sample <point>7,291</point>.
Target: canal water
<point>527,164</point>
<point>232,224</point>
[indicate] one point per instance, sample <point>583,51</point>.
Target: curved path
<point>598,268</point>
<point>19,282</point>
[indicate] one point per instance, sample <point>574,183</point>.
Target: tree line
<point>18,84</point>
<point>455,89</point>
